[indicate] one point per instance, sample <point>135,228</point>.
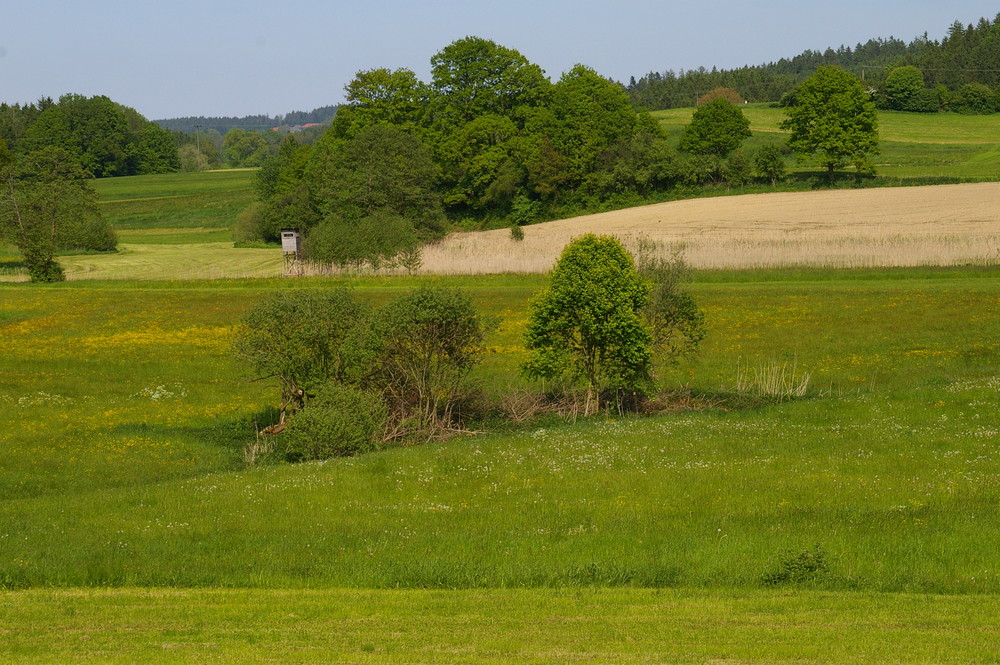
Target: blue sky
<point>182,57</point>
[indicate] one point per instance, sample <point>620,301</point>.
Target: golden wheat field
<point>906,226</point>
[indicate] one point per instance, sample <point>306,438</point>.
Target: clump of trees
<point>490,140</point>
<point>353,378</point>
<point>47,206</point>
<point>103,137</point>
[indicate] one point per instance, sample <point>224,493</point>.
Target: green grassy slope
<point>128,418</point>
<point>914,145</point>
<point>205,200</point>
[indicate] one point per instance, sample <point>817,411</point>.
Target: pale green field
<point>165,626</point>
<point>924,146</point>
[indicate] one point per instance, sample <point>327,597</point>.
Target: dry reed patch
<point>937,225</point>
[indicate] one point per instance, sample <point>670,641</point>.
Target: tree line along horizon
<point>489,141</point>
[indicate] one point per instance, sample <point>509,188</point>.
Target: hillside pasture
<point>929,147</point>
<point>202,200</point>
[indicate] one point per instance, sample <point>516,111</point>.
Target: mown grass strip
<point>160,626</point>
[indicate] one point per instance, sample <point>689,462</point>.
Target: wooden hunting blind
<point>291,247</point>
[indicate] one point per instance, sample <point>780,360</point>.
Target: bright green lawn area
<point>914,145</point>
<point>857,525</point>
<point>619,626</point>
<point>203,200</point>
<point>126,418</point>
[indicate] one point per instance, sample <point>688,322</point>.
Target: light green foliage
<point>587,325</point>
<point>717,128</point>
<point>381,97</point>
<point>426,343</point>
<point>244,148</point>
<point>301,339</point>
<point>834,120</point>
<point>340,421</point>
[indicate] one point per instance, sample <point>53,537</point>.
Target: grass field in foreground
<point>124,418</point>
<point>490,627</point>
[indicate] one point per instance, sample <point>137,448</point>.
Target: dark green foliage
<point>737,170</point>
<point>586,326</point>
<point>105,138</point>
<point>340,421</point>
<point>381,169</point>
<point>799,568</point>
<point>833,119</point>
<point>382,239</point>
<point>490,138</point>
<point>769,164</point>
<point>675,321</point>
<point>717,128</point>
<point>976,99</point>
<point>302,339</point>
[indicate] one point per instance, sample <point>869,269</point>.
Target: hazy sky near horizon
<point>229,58</point>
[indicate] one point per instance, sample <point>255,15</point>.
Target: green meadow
<point>129,511</point>
<point>854,524</point>
<point>916,147</point>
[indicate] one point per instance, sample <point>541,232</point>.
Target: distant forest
<point>250,122</point>
<point>968,54</point>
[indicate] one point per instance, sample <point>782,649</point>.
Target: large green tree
<point>382,97</point>
<point>587,325</point>
<point>834,120</point>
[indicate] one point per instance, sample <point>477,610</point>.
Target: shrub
<point>676,323</point>
<point>251,224</point>
<point>425,343</point>
<point>382,239</point>
<point>737,169</point>
<point>340,421</point>
<point>769,164</point>
<point>92,234</point>
<point>302,339</point>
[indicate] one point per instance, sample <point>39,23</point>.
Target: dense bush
<point>586,327</point>
<point>340,421</point>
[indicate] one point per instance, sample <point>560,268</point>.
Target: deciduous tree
<point>586,326</point>
<point>717,128</point>
<point>833,119</point>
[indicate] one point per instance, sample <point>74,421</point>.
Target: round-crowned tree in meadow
<point>834,120</point>
<point>586,327</point>
<point>301,339</point>
<point>717,128</point>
